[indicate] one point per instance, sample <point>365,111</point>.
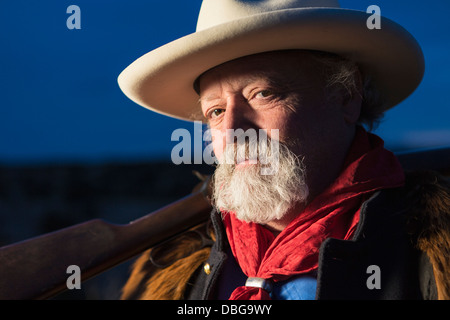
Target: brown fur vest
<point>164,272</point>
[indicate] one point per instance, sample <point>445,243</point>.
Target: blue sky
<point>60,101</point>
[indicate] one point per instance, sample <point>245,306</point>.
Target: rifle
<point>37,268</point>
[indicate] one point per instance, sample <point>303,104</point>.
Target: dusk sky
<point>60,101</point>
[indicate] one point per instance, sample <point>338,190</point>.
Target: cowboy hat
<point>163,79</point>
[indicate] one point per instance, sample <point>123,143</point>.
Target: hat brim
<point>162,80</point>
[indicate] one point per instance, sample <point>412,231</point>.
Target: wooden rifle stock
<point>37,268</point>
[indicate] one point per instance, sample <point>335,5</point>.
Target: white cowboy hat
<point>163,79</point>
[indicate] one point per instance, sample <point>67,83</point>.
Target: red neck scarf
<point>334,213</point>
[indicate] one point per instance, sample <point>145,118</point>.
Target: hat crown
<point>215,12</point>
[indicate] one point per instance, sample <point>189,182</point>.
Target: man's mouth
<point>246,162</point>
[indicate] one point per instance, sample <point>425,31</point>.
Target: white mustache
<point>255,197</point>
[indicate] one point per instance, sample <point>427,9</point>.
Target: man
<point>336,217</point>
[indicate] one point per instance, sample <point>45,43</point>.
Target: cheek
<point>284,127</point>
<point>299,130</point>
<point>218,150</point>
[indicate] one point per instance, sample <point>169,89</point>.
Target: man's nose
<point>238,114</point>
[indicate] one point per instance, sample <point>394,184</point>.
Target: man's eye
<point>264,93</point>
<point>215,113</point>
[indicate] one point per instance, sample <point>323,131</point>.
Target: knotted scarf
<point>334,213</point>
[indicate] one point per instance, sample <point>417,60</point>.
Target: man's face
<point>284,91</point>
<point>278,90</point>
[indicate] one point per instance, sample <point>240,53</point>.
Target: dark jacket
<point>403,236</point>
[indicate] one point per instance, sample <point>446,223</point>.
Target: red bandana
<point>334,213</point>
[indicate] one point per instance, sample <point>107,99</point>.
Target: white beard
<point>256,197</point>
